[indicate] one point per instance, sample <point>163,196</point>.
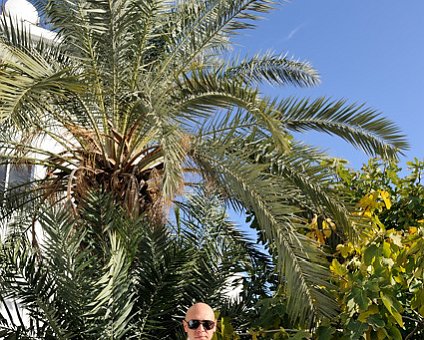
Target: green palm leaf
<point>300,261</point>
<point>274,70</point>
<point>362,127</point>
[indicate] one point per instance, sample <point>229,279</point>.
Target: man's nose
<point>201,328</point>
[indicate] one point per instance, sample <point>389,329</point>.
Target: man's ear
<point>185,326</point>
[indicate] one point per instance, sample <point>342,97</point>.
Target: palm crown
<point>136,95</point>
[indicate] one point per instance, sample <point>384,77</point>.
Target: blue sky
<point>365,51</point>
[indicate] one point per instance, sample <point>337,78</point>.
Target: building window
<point>3,172</point>
<point>12,176</point>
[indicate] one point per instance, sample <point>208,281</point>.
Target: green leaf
<point>372,285</point>
<point>360,297</point>
<point>372,310</point>
<point>300,335</point>
<point>388,303</point>
<point>394,333</point>
<point>370,253</point>
<point>357,328</point>
<point>376,321</point>
<point>325,332</point>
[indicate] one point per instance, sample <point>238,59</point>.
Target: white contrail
<point>294,31</point>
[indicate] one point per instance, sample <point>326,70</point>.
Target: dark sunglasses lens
<point>207,324</point>
<point>193,324</point>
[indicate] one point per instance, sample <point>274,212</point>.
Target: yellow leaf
<point>310,235</point>
<point>325,225</point>
<point>367,213</point>
<point>398,318</point>
<point>413,230</point>
<point>345,249</point>
<point>386,249</point>
<point>337,268</point>
<point>386,198</point>
<point>326,229</point>
<point>320,237</point>
<point>368,201</point>
<point>327,233</point>
<point>399,279</point>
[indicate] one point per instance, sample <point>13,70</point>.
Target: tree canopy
<point>136,99</point>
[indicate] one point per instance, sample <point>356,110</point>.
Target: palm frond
<point>174,146</point>
<point>114,297</point>
<point>273,69</point>
<point>214,20</point>
<point>68,261</point>
<point>362,127</point>
<point>302,167</point>
<point>205,222</point>
<point>300,262</point>
<point>26,78</point>
<point>142,29</point>
<point>160,277</point>
<point>203,89</point>
<point>27,282</point>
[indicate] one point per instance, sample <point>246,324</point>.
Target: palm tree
<point>139,102</point>
<point>107,276</point>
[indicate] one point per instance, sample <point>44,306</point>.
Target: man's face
<point>203,313</point>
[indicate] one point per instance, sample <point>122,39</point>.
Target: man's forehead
<point>200,311</point>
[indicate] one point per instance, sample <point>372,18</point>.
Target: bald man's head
<point>200,323</point>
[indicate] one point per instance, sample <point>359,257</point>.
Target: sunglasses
<point>207,324</point>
